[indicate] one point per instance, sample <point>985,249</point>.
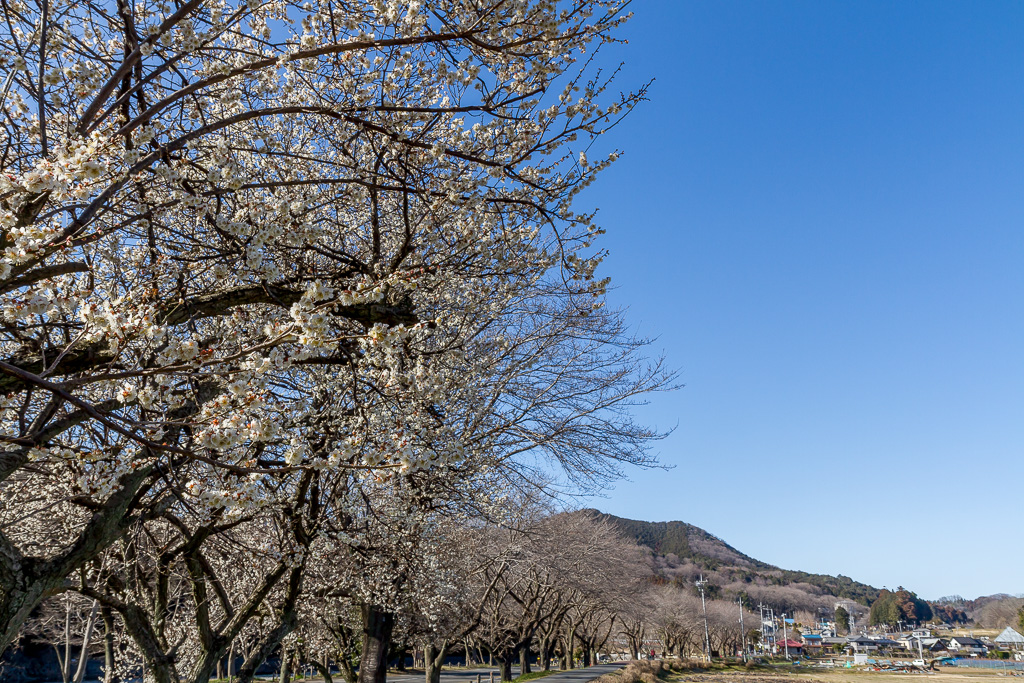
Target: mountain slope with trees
<point>681,550</point>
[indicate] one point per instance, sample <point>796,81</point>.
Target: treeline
<point>532,587</point>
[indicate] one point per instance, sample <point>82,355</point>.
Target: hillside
<point>684,551</point>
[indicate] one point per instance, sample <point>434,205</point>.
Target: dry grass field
<point>944,675</point>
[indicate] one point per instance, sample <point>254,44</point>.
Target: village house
<point>862,644</point>
<point>886,643</point>
<point>967,645</point>
<point>812,641</point>
<point>794,647</point>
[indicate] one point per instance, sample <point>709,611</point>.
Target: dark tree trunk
<point>377,627</point>
<point>586,655</point>
<point>524,659</point>
<point>505,666</point>
<point>324,669</point>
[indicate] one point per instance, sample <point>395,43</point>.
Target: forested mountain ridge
<point>683,550</point>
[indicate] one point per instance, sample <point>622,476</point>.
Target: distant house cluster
<point>919,641</point>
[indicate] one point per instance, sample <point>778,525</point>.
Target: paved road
<point>583,675</point>
<point>469,675</point>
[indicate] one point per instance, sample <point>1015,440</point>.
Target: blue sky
<point>818,215</point>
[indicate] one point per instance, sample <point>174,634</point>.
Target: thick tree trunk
<point>505,667</point>
<point>433,661</point>
<point>544,651</point>
<point>586,655</point>
<point>524,659</point>
<point>377,627</point>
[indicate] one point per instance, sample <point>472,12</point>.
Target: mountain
<point>684,551</point>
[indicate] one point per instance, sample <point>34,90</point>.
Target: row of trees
<point>550,587</point>
<point>677,618</point>
<point>293,295</point>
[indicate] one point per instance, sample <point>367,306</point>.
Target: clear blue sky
<point>819,214</point>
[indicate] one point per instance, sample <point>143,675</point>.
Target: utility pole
<point>785,635</point>
<point>743,634</point>
<point>707,636</point>
<point>760,611</point>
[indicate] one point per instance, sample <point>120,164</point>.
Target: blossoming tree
<point>253,249</point>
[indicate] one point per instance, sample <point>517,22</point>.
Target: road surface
<point>469,675</point>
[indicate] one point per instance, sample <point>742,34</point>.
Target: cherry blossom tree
<point>263,258</point>
<point>556,569</point>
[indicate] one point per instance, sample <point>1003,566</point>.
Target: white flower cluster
<point>244,495</point>
<point>117,320</point>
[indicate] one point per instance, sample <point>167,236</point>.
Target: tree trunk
<point>586,655</point>
<point>544,651</point>
<point>65,667</point>
<point>377,627</point>
<point>324,669</point>
<point>26,581</point>
<point>433,661</point>
<point>347,666</point>
<point>108,645</point>
<point>83,656</point>
<point>524,659</point>
<point>285,674</point>
<point>505,666</point>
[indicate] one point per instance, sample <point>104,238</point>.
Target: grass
<point>532,675</point>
